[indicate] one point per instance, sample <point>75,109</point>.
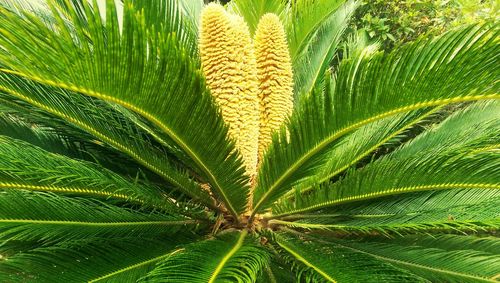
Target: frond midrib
<point>224,260</point>
<point>306,262</point>
<point>468,225</point>
<point>387,192</point>
<point>99,224</point>
<point>364,154</point>
<point>128,268</point>
<point>320,146</point>
<point>64,189</point>
<point>454,273</point>
<point>314,28</point>
<point>145,114</point>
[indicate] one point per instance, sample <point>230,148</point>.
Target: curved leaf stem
<point>221,264</point>
<point>386,192</point>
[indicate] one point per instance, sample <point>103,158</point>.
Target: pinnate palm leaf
<point>449,156</point>
<point>315,55</point>
<point>453,211</point>
<point>436,263</point>
<point>453,68</point>
<point>88,260</point>
<point>327,262</point>
<point>143,69</point>
<point>44,217</point>
<point>103,123</point>
<point>25,167</point>
<point>231,257</point>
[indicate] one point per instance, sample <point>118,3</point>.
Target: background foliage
<point>397,21</point>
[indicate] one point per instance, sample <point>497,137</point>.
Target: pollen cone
<point>228,62</point>
<point>275,77</point>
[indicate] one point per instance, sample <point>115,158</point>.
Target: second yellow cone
<point>274,69</point>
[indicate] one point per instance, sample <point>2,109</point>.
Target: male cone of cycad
<point>228,62</point>
<point>251,81</point>
<point>275,77</point>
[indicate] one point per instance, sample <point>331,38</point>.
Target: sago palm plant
<point>169,141</point>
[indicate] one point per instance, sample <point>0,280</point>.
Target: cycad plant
<point>168,141</point>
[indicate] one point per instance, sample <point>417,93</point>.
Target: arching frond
<point>326,262</point>
<point>489,245</point>
<point>315,55</point>
<point>355,147</point>
<point>192,10</point>
<point>478,171</point>
<point>87,260</point>
<point>446,157</point>
<point>179,17</point>
<point>453,211</point>
<point>230,257</point>
<point>436,263</point>
<point>176,17</point>
<point>25,167</point>
<point>100,121</point>
<point>47,217</point>
<point>25,122</point>
<point>366,89</point>
<point>305,18</point>
<point>253,10</point>
<point>275,272</point>
<point>44,137</point>
<point>141,68</point>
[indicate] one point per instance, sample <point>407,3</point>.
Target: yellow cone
<point>228,62</point>
<point>275,77</point>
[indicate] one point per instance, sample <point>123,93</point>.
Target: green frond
<point>406,204</point>
<point>87,260</point>
<point>275,272</point>
<point>454,211</point>
<point>177,17</point>
<point>100,121</point>
<point>305,18</point>
<point>227,258</point>
<point>46,217</point>
<point>66,7</point>
<point>444,157</point>
<point>25,167</point>
<point>436,263</point>
<point>473,127</point>
<point>159,138</point>
<point>315,55</point>
<point>429,201</point>
<point>46,138</point>
<point>485,244</point>
<point>172,17</point>
<point>315,261</point>
<point>357,146</point>
<point>142,69</point>
<point>478,171</point>
<point>192,10</point>
<point>26,122</point>
<point>253,10</point>
<point>458,66</point>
